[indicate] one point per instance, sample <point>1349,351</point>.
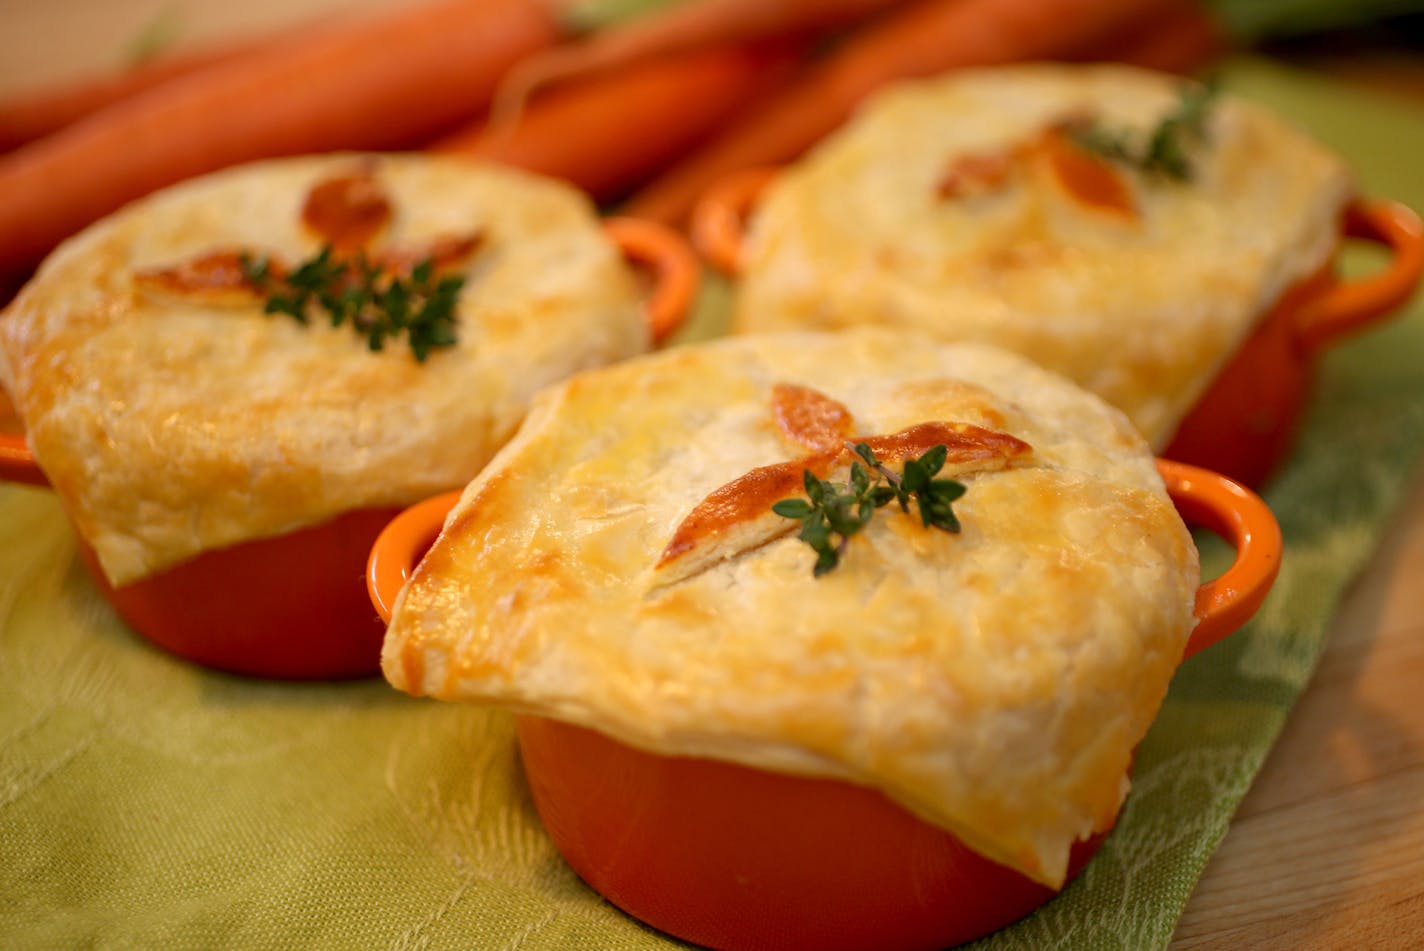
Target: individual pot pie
<point>619,567</point>
<point>272,347</point>
<point>1125,228</point>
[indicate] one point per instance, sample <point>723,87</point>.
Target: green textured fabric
<point>146,803</point>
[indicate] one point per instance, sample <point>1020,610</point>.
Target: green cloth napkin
<point>148,803</point>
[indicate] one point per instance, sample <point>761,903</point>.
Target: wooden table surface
<point>1327,850</point>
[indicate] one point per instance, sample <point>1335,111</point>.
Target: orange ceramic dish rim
<point>292,606</point>
<point>1244,422</point>
<point>733,857</point>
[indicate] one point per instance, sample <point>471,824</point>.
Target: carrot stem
<point>676,28</point>
<point>609,132</point>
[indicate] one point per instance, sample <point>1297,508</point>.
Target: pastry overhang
<point>995,681</point>
<point>1142,308</point>
<point>173,423</point>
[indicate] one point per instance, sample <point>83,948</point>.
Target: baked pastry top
<point>966,206</point>
<point>173,415</point>
<point>617,566</point>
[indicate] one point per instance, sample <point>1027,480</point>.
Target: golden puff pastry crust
<point>171,423</point>
<point>938,209</point>
<point>993,681</point>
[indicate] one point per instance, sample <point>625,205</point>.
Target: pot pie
<point>1125,228</point>
<point>617,566</point>
<point>176,408</point>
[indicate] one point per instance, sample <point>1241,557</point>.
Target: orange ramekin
<point>293,606</point>
<point>732,857</point>
<point>1245,422</point>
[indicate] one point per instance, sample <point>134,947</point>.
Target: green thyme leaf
<point>814,486</point>
<point>935,502</point>
<point>915,477</point>
<point>859,480</point>
<point>254,270</point>
<point>375,303</point>
<point>933,460</point>
<point>1166,149</point>
<point>833,512</point>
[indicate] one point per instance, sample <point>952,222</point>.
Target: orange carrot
<point>35,114</point>
<point>930,37</point>
<point>676,28</point>
<point>387,82</point>
<point>609,132</point>
<point>1180,40</point>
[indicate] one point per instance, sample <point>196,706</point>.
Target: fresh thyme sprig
<point>1165,151</point>
<point>833,511</point>
<point>373,300</point>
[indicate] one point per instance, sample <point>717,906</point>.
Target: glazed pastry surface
<point>995,681</point>
<point>173,419</point>
<point>950,206</point>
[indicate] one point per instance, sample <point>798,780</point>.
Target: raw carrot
<point>930,37</point>
<point>34,114</point>
<point>387,82</point>
<point>1180,40</point>
<point>676,28</point>
<point>609,132</point>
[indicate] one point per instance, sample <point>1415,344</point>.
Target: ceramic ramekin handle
<point>17,463</point>
<point>1350,304</point>
<point>719,218</point>
<point>672,264</point>
<point>1239,516</point>
<point>401,545</point>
